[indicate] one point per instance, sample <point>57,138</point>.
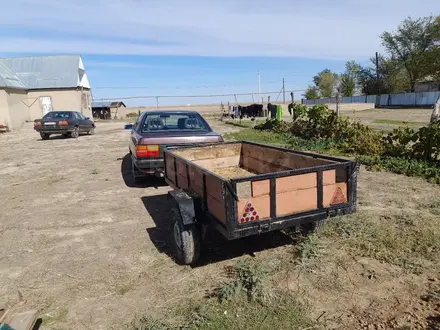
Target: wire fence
<point>402,99</point>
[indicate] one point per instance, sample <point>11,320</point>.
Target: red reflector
<point>38,123</point>
<point>63,123</point>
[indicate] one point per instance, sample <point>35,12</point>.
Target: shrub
<point>274,125</point>
<point>299,111</point>
<point>132,115</point>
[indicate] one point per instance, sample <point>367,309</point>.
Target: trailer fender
<point>185,204</point>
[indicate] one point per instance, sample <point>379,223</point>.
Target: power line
<point>186,96</point>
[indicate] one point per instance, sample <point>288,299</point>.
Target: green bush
<point>429,170</point>
<point>274,125</point>
<point>299,111</point>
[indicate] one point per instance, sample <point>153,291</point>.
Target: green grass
<point>243,123</point>
<point>259,136</point>
<point>397,122</point>
<point>411,242</point>
<point>282,311</point>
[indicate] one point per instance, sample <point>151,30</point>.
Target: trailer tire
<point>186,239</point>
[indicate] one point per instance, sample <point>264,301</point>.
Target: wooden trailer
<point>245,188</point>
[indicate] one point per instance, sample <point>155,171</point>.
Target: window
<point>171,122</point>
<point>57,115</point>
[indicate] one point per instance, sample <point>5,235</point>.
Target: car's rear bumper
<point>54,130</point>
<point>149,166</point>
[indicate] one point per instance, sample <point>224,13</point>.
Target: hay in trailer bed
<point>232,172</point>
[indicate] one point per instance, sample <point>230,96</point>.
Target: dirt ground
<point>87,247</point>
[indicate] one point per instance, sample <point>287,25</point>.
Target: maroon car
<point>155,131</point>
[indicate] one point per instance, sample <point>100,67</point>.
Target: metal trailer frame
<point>194,209</point>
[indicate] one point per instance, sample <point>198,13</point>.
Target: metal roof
<point>39,72</point>
<point>8,78</point>
<point>106,104</point>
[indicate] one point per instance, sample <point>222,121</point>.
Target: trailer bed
<point>247,188</point>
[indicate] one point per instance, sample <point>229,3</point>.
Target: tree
<point>391,77</point>
<point>311,93</point>
<point>348,80</point>
<point>414,42</point>
<point>325,82</point>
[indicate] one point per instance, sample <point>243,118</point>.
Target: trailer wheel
<point>186,239</point>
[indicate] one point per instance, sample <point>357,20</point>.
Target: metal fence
<point>384,100</point>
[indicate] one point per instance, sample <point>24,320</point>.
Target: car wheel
<point>75,133</point>
<point>91,131</point>
<point>45,136</point>
<point>138,176</point>
<point>186,239</point>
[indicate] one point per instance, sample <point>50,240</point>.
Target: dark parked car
<point>67,123</point>
<point>154,131</point>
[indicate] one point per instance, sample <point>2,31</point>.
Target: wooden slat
<point>283,159</point>
<point>210,152</point>
<point>218,162</point>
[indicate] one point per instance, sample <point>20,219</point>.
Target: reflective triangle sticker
<point>338,197</point>
<point>249,213</point>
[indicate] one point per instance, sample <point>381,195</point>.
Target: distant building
<point>108,109</point>
<point>427,84</point>
<point>32,86</point>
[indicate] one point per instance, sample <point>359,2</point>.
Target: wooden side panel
<point>170,168</point>
<point>296,182</point>
<point>260,188</point>
<point>210,152</point>
<point>261,166</point>
<point>215,201</point>
<point>329,177</point>
<point>296,201</point>
<point>217,208</point>
<point>278,158</point>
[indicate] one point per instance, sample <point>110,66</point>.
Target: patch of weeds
<point>123,289</point>
<point>432,206</point>
<point>281,311</point>
<point>412,247</point>
<point>308,251</point>
<point>95,171</point>
<point>247,276</point>
<point>57,316</point>
<point>410,167</point>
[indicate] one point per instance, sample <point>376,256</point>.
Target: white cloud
<point>344,29</point>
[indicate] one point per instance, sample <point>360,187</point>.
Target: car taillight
<point>63,123</point>
<point>37,123</point>
<point>149,150</point>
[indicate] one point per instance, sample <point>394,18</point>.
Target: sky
<point>135,48</point>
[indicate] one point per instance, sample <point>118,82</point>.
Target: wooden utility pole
<point>284,92</point>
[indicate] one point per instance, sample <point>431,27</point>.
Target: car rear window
<point>57,115</point>
<point>174,122</point>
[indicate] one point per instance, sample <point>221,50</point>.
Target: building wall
<point>18,111</point>
<point>67,100</point>
<point>4,109</point>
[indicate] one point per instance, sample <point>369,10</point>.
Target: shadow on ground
<point>150,181</point>
<point>215,247</point>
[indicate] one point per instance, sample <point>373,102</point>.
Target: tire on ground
<point>186,239</point>
<point>44,136</point>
